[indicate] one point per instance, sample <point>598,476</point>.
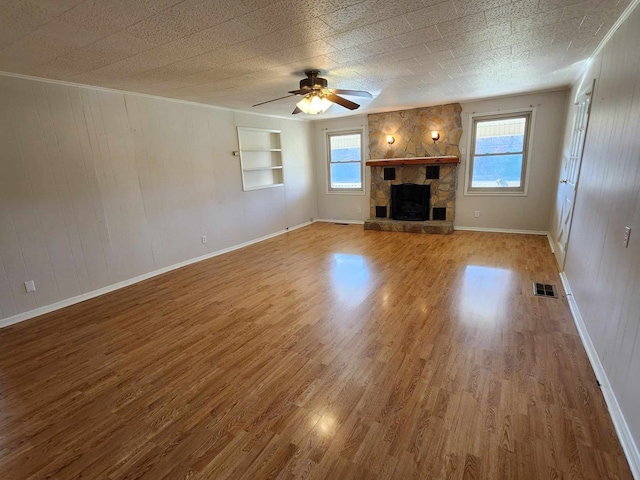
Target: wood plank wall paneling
<point>605,276</point>
<point>98,187</point>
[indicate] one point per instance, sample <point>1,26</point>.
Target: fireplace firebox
<point>410,201</point>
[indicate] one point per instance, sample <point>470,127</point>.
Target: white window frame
<point>345,191</point>
<point>520,191</point>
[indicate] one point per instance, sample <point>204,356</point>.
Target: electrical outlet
<point>625,238</point>
<point>204,239</point>
<point>477,214</point>
<point>30,286</point>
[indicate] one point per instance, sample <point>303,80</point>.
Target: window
<point>498,154</point>
<point>345,161</point>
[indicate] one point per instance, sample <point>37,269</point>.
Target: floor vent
<point>544,290</point>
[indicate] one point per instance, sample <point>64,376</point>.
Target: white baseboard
<point>499,230</point>
<point>619,422</point>
<point>288,229</point>
<point>331,220</point>
<point>21,317</point>
<point>553,249</point>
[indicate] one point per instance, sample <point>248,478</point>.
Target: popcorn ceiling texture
<point>412,132</point>
<point>237,53</point>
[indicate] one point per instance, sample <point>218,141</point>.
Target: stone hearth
<point>443,191</point>
<point>389,225</point>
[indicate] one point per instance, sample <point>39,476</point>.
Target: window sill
<point>345,192</point>
<point>489,193</point>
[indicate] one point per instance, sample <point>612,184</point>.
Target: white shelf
<point>262,150</point>
<point>260,158</point>
<point>264,186</point>
<point>279,167</point>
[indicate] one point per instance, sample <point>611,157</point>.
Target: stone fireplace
<point>415,161</point>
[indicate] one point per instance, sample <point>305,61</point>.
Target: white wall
<point>603,275</point>
<point>530,212</point>
<point>339,206</point>
<point>98,187</point>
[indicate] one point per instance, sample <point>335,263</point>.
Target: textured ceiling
<point>234,53</point>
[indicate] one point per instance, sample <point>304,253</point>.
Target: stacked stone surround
<point>412,132</point>
<point>443,190</point>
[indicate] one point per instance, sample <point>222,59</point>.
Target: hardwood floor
<point>327,353</point>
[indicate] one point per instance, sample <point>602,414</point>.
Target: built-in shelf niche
<point>260,158</point>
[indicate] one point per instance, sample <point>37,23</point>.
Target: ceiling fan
<point>317,97</point>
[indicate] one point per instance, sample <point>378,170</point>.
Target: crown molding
<point>144,95</point>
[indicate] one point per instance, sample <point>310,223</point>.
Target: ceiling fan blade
<point>353,93</point>
<point>332,97</point>
<point>269,101</point>
<point>297,110</point>
<point>300,92</point>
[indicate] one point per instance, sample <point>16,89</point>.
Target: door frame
<point>585,94</point>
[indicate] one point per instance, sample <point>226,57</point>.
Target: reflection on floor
<point>350,279</point>
<point>485,294</point>
<point>326,353</point>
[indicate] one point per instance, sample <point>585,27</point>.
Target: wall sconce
<point>390,139</point>
<point>435,136</point>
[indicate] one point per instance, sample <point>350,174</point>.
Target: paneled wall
<point>605,276</point>
<point>98,187</point>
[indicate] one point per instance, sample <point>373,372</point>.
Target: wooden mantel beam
<point>389,162</point>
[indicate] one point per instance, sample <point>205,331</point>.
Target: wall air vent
<point>432,172</point>
<point>389,173</point>
<point>544,290</point>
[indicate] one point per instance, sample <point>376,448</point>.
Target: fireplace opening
<point>410,201</point>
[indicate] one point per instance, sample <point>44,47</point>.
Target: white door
<point>569,178</point>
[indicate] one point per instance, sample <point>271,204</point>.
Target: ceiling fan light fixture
<point>317,98</point>
<point>313,104</point>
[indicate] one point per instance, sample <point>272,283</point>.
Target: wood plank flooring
<point>326,353</point>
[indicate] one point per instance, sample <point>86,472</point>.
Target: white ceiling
<point>234,53</point>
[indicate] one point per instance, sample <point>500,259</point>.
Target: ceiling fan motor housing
<point>313,81</point>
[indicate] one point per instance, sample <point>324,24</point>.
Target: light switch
<point>30,286</point>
